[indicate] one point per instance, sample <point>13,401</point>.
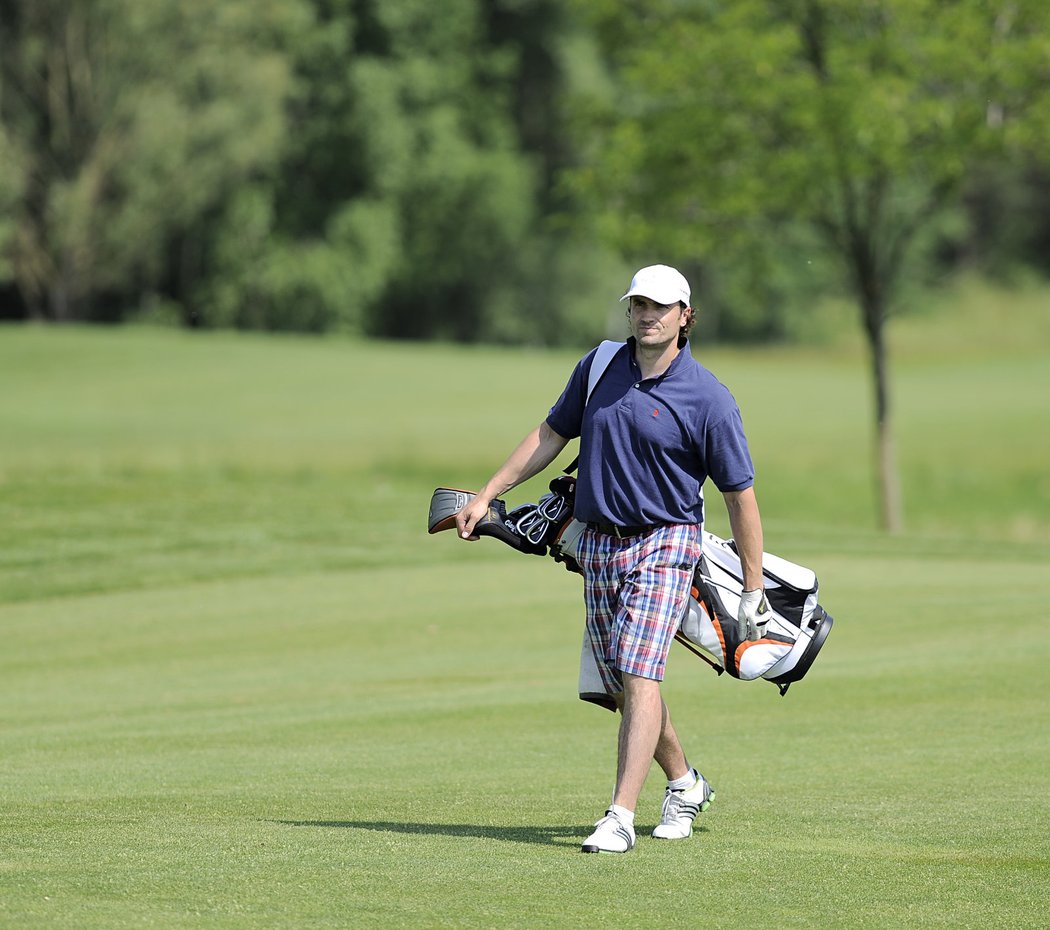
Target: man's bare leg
<point>641,729</point>
<point>668,753</point>
<point>646,733</point>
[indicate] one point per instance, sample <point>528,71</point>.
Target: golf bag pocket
<point>793,636</point>
<point>591,687</point>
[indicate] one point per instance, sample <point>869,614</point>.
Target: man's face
<point>655,325</point>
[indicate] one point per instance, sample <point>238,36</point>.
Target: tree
<point>447,122</point>
<point>124,123</point>
<point>853,124</point>
<point>11,180</point>
<point>404,203</point>
<point>376,166</point>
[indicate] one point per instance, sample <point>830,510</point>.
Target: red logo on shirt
<point>656,412</point>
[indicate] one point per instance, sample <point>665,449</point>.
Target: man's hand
<point>466,519</point>
<point>753,616</point>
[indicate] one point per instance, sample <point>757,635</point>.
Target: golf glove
<point>753,616</point>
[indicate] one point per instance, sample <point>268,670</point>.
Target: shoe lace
<point>675,801</point>
<point>672,802</point>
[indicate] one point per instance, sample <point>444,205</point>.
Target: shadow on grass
<point>545,836</point>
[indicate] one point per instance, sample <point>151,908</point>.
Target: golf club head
<point>445,503</point>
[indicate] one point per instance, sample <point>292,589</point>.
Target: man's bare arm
<point>746,523</point>
<point>533,454</point>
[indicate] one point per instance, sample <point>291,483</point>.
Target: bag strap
<point>603,356</point>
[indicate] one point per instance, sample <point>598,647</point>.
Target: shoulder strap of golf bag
<point>603,355</point>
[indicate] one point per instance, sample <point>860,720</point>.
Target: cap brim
<point>663,299</point>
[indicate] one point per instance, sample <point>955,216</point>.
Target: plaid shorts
<point>636,591</point>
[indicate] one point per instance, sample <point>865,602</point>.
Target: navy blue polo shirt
<point>648,446</point>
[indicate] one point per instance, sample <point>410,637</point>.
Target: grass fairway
<point>240,687</point>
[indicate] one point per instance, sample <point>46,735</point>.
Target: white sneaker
<point>611,835</point>
<point>680,809</point>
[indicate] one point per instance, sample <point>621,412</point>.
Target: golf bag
<point>793,638</point>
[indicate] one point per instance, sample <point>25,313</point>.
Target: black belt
<point>622,532</point>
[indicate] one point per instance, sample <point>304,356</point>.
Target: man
<point>655,428</point>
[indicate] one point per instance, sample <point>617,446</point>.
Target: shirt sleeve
<point>728,458</point>
<point>566,416</point>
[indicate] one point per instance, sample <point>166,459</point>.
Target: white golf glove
<point>753,616</point>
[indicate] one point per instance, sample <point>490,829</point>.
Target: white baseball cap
<point>661,283</point>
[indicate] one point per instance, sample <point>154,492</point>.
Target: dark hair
<point>687,326</point>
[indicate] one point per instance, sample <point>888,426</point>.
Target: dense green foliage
<point>240,687</point>
<point>490,170</point>
<point>314,165</point>
<point>770,141</point>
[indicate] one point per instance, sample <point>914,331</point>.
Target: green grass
<point>240,686</point>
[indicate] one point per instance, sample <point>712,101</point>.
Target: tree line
<point>492,170</point>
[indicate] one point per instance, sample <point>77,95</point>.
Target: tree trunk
<point>60,289</point>
<point>891,509</point>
